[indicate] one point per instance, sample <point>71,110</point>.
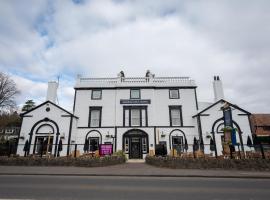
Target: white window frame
<point>171,94</point>
<point>94,96</point>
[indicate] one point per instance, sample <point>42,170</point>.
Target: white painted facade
<point>158,115</point>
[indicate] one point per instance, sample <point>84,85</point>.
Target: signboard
<point>135,101</point>
<point>233,137</point>
<point>105,149</point>
<point>227,117</point>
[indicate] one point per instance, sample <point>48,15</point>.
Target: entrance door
<point>135,148</point>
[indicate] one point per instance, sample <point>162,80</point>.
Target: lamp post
<point>48,143</point>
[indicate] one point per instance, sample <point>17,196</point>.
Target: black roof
<point>222,101</point>
<point>44,104</point>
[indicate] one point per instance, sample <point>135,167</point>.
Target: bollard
<point>75,153</point>
<point>231,156</point>
<point>9,150</point>
<point>239,153</point>
<point>262,151</point>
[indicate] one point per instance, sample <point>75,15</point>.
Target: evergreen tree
<point>29,104</point>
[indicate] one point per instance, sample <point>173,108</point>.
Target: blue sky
<point>41,40</point>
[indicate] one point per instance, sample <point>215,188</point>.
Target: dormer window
<point>135,94</point>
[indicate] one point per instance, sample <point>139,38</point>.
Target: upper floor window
<point>175,116</point>
<point>174,94</point>
<point>135,116</point>
<point>135,94</point>
<point>96,94</point>
<point>95,117</point>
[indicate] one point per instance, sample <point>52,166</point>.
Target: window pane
<point>175,117</point>
<point>144,145</point>
<point>174,94</point>
<point>94,144</point>
<point>126,117</point>
<point>96,94</point>
<point>126,145</point>
<point>135,94</point>
<point>135,117</point>
<point>95,118</point>
<point>143,117</point>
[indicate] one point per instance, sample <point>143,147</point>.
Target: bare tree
<point>8,90</point>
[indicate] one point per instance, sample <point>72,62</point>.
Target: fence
<point>222,151</point>
<point>194,151</point>
<point>49,150</point>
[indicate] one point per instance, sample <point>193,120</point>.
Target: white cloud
<point>173,38</point>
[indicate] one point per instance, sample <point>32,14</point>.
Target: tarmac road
<point>123,188</point>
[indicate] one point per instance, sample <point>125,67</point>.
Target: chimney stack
<point>52,91</point>
<point>218,88</point>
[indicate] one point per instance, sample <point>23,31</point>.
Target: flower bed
<point>63,161</point>
<point>209,163</point>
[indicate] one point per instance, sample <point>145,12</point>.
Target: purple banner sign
<point>105,149</point>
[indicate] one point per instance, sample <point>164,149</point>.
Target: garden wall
<point>63,161</point>
<point>209,163</point>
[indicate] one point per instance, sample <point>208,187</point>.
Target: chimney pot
<point>52,91</point>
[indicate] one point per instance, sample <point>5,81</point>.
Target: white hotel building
<point>134,114</point>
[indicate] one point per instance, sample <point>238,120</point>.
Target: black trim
<point>155,136</point>
<point>196,99</point>
<point>94,90</point>
<point>199,127</point>
<point>69,134</point>
<point>28,116</point>
<point>95,131</point>
<point>221,124</point>
<point>203,115</point>
<point>115,139</point>
<point>133,89</point>
<point>178,95</point>
<point>85,127</point>
<point>74,102</point>
<point>222,101</point>
<point>170,113</point>
<point>36,124</point>
<point>65,115</point>
<point>249,121</point>
<point>243,114</point>
<point>42,126</point>
<point>23,114</point>
<point>91,108</point>
<point>170,136</point>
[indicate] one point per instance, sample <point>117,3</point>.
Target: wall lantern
<point>21,137</point>
<point>62,136</point>
<point>162,134</point>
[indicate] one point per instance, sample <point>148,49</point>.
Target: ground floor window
<point>43,145</point>
<point>178,143</point>
<point>93,143</point>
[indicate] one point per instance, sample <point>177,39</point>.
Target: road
<point>123,188</point>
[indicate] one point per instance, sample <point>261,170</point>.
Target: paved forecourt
<point>130,169</point>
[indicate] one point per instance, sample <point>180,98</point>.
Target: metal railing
<point>184,151</point>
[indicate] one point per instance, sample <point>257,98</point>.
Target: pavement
<point>132,169</point>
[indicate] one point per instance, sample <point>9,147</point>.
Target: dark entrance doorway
<point>135,148</point>
<point>135,144</point>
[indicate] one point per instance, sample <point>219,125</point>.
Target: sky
<point>43,40</point>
